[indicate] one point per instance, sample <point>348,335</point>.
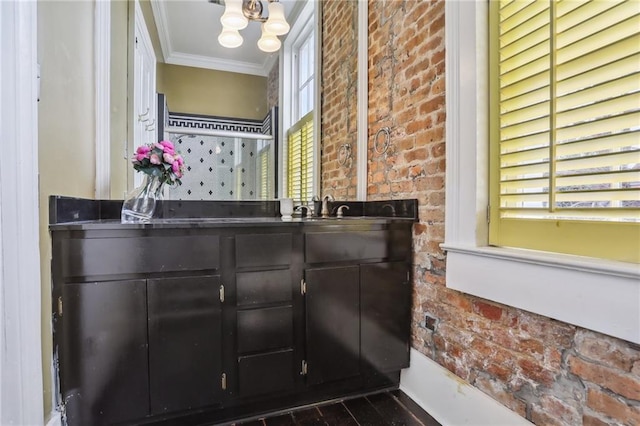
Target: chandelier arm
<point>252,10</point>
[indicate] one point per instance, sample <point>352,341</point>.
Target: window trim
<point>596,294</point>
<point>309,14</point>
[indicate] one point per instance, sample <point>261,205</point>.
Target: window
<point>565,126</point>
<point>305,76</point>
<point>597,294</point>
<point>298,106</point>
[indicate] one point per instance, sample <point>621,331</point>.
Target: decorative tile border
<point>203,122</point>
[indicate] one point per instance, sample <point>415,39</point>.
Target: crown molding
<point>216,64</point>
<point>160,16</point>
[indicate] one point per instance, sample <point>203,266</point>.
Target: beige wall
<point>66,129</point>
<point>209,92</point>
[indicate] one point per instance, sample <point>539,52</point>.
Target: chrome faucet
<point>308,212</point>
<point>390,207</point>
<point>325,206</point>
<point>340,212</point>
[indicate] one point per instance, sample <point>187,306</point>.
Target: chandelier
<point>238,13</point>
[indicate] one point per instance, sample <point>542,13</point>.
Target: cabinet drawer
<point>263,250</point>
<point>108,256</point>
<point>265,329</point>
<point>260,374</point>
<point>339,246</point>
<point>263,287</point>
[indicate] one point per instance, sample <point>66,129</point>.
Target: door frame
<point>21,389</point>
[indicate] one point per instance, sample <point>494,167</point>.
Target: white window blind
<point>300,160</point>
<point>565,126</point>
<point>569,110</point>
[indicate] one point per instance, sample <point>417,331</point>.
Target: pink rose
<point>142,152</point>
<point>167,144</point>
<point>175,166</point>
<point>143,149</point>
<point>155,159</point>
<point>179,159</point>
<point>168,158</point>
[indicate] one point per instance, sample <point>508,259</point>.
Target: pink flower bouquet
<point>160,160</point>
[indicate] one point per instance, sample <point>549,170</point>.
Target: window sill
<point>596,294</point>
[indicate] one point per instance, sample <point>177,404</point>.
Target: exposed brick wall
<point>339,96</point>
<point>273,87</point>
<point>550,372</point>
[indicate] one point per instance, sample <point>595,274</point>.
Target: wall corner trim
<point>451,400</point>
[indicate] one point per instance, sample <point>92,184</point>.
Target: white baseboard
<point>449,399</point>
<point>55,419</point>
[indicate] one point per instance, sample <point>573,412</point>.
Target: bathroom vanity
<point>230,315</point>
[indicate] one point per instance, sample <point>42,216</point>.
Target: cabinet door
<point>385,293</point>
<point>333,323</point>
<point>185,332</point>
<point>103,360</point>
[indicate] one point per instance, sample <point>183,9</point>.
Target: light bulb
<point>276,23</point>
<point>268,42</point>
<point>233,17</point>
<point>230,38</point>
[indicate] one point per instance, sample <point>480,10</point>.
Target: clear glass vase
<point>140,203</point>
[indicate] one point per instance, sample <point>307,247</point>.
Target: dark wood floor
<point>389,408</point>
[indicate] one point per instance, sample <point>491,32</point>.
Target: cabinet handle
<point>303,287</point>
<point>221,293</point>
<point>304,368</point>
<point>60,306</point>
<point>223,381</point>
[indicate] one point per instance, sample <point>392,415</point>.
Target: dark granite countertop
<point>74,214</point>
<point>177,223</point>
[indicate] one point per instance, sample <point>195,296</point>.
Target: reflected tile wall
<point>223,168</point>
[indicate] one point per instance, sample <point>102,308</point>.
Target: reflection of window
<point>300,160</point>
<point>565,126</point>
<point>265,192</point>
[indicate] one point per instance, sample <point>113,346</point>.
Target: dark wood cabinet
<point>231,322</point>
<point>185,336</point>
<point>333,323</point>
<point>385,315</point>
<point>104,351</point>
<point>266,344</point>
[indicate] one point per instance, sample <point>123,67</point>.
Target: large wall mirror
<point>212,81</point>
<point>225,104</point>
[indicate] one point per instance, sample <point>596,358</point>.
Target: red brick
<point>625,385</point>
<point>588,420</point>
<point>417,154</point>
<point>536,372</point>
<point>613,407</point>
<point>491,312</point>
<point>606,350</point>
<point>566,412</point>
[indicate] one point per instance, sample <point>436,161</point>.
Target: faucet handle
<point>340,213</point>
